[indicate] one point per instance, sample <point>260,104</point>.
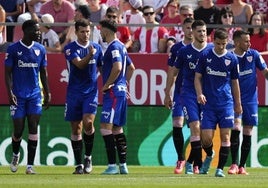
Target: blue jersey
<point>217,73</point>
<point>186,61</point>
<point>116,52</point>
<point>82,81</point>
<point>171,60</point>
<point>248,63</point>
<point>25,62</point>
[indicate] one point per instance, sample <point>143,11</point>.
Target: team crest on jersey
<point>37,52</point>
<point>115,53</point>
<point>209,60</point>
<point>227,62</point>
<point>189,56</point>
<point>19,53</point>
<point>68,52</point>
<point>249,58</point>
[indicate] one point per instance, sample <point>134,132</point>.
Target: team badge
<point>227,62</point>
<point>68,52</point>
<point>249,58</point>
<point>37,52</point>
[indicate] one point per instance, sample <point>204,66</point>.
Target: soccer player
<point>249,61</point>
<point>217,90</point>
<point>24,61</point>
<point>83,59</point>
<point>186,61</point>
<point>177,113</point>
<point>117,70</point>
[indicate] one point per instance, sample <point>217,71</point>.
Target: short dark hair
<point>188,20</point>
<point>109,24</point>
<point>221,34</point>
<point>81,23</point>
<point>112,10</point>
<point>238,33</point>
<point>147,7</point>
<point>28,24</point>
<point>197,23</point>
<point>85,11</point>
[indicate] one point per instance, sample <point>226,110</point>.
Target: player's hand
<point>13,100</point>
<point>47,99</point>
<point>92,50</point>
<point>168,102</point>
<point>238,109</point>
<point>201,99</point>
<point>106,87</point>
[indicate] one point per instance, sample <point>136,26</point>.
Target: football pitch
<point>139,176</point>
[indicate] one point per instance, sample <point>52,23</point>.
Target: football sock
<point>16,146</point>
<point>88,141</point>
<point>235,142</point>
<point>32,144</point>
<point>77,149</point>
<point>196,152</point>
<point>110,148</point>
<point>245,148</point>
<point>178,141</point>
<point>224,151</point>
<point>121,145</point>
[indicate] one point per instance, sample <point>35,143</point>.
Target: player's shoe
<point>206,164</point>
<point>87,165</point>
<point>78,170</point>
<point>123,168</point>
<point>189,168</point>
<point>15,162</point>
<point>196,170</point>
<point>219,173</point>
<point>111,170</point>
<point>242,171</point>
<point>179,167</point>
<point>30,170</point>
<point>233,169</point>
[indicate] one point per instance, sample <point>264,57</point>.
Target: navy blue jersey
<point>25,62</point>
<point>116,52</point>
<point>186,61</point>
<point>171,60</point>
<point>248,63</point>
<point>82,81</point>
<point>217,73</point>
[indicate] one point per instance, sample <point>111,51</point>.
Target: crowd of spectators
<point>231,14</point>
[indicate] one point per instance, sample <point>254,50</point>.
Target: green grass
<point>139,177</point>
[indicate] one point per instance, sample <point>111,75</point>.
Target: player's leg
<point>177,135</point>
<point>18,115</point>
<point>89,113</point>
<point>235,143</point>
<point>106,126</point>
<point>250,119</point>
<point>73,114</point>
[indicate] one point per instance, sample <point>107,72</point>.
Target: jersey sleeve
<point>9,59</point>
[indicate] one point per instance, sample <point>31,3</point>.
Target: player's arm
<point>82,63</point>
<point>265,73</point>
<point>172,74</point>
<point>116,69</point>
<point>236,96</point>
<point>201,98</point>
<point>130,71</point>
<point>8,81</point>
<point>44,81</point>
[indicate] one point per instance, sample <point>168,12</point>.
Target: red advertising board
<point>146,86</point>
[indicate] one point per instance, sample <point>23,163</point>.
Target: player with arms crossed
<point>83,59</point>
<point>217,90</point>
<point>24,61</point>
<point>177,113</point>
<point>249,61</point>
<point>117,70</point>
